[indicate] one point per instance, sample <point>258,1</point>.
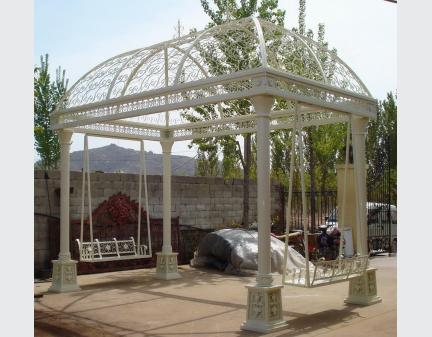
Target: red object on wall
<point>116,217</point>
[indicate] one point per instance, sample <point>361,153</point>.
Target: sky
<point>80,34</point>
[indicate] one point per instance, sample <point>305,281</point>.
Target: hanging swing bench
<point>321,272</point>
<point>112,250</point>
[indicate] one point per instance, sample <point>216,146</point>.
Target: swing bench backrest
<point>328,272</point>
<point>339,270</point>
<point>104,250</point>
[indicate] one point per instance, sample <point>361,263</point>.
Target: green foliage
<point>47,94</point>
<point>302,17</point>
<point>327,143</point>
<point>381,146</point>
<point>232,10</point>
<point>322,144</point>
<point>238,54</point>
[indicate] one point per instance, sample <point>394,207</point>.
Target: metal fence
<point>320,205</point>
<point>382,213</point>
<point>382,227</point>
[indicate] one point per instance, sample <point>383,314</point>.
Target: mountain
<point>113,158</point>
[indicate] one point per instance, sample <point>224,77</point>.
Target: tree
<point>322,144</point>
<point>381,146</point>
<point>236,57</point>
<point>47,94</point>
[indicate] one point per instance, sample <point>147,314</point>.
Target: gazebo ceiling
<point>235,60</point>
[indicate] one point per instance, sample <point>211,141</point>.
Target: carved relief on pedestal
<point>264,312</point>
<point>358,286</point>
<point>371,284</point>
<point>69,274</point>
<point>166,267</point>
<point>64,276</point>
<point>256,307</point>
<point>56,273</point>
<point>161,265</point>
<point>363,289</point>
<point>172,264</point>
<point>274,305</point>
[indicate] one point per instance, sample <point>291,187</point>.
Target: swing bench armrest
<point>142,250</point>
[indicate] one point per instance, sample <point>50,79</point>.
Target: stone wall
<point>204,202</point>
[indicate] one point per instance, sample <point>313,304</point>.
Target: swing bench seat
<point>328,272</point>
<point>102,251</point>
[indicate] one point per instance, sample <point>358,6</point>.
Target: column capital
<point>65,137</point>
<point>262,104</point>
<point>359,125</point>
<point>166,141</point>
<point>166,144</point>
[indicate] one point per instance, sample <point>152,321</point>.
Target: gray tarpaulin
<point>236,251</point>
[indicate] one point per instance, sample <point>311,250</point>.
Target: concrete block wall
<point>204,202</point>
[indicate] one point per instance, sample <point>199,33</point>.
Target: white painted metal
<point>99,251</point>
<point>242,75</point>
<point>146,201</point>
<point>304,210</point>
<point>259,30</point>
<point>116,96</point>
<point>64,272</point>
<point>174,75</point>
<point>83,191</point>
<point>103,251</point>
<point>323,272</point>
<point>262,46</point>
<point>166,144</point>
<point>65,137</point>
<point>86,168</point>
<point>264,300</point>
<point>342,210</point>
<point>359,153</point>
<point>262,106</point>
<point>290,187</point>
<point>166,263</point>
<point>166,81</point>
<point>210,91</point>
<point>328,272</point>
<point>140,192</point>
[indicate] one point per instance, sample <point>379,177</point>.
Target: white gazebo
<point>142,94</point>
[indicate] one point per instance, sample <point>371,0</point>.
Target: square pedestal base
<point>363,289</point>
<point>264,309</point>
<point>64,276</point>
<point>166,266</point>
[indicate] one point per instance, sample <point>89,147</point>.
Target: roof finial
<point>178,29</point>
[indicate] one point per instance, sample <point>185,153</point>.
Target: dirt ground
<point>206,303</point>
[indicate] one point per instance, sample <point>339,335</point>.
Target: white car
<point>378,226</point>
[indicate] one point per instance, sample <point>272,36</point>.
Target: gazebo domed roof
<point>144,92</point>
<point>221,50</point>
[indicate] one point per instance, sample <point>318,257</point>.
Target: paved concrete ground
<point>206,303</point>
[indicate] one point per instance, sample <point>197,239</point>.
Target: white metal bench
<point>100,251</point>
<point>328,272</point>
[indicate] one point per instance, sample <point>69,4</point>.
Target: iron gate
<point>381,209</point>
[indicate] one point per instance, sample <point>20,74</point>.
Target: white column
<point>166,150</point>
<point>363,289</point>
<point>264,304</point>
<point>262,105</point>
<point>64,277</point>
<point>65,143</point>
<point>166,263</point>
<point>359,125</point>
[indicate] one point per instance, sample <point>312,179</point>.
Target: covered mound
<point>236,251</point>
